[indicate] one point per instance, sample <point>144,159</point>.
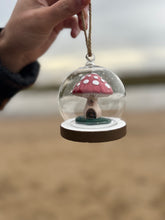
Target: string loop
<point>90,58</point>
<point>88,38</point>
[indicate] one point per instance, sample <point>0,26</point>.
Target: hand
<point>34,25</point>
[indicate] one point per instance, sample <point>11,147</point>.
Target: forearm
<point>10,56</point>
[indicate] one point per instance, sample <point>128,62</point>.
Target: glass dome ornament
<point>91,102</point>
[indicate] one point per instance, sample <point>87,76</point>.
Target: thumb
<point>64,9</point>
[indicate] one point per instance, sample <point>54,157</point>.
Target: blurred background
<point>44,177</point>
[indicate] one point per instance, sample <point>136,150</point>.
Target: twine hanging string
<point>88,37</point>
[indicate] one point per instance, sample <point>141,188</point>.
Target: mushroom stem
<point>92,108</point>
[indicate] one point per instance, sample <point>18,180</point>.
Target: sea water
<point>29,103</point>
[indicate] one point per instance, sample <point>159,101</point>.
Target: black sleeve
<point>11,83</point>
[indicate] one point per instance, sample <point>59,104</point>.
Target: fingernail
<point>75,32</point>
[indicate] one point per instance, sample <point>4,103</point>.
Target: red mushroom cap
<point>92,84</point>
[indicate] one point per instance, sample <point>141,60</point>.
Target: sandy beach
<point>44,177</point>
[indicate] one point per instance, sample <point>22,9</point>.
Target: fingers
<point>63,9</point>
<point>85,14</point>
<point>72,23</point>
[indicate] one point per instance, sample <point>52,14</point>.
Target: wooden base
<point>93,134</point>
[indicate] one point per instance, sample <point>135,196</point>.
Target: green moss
<point>92,121</point>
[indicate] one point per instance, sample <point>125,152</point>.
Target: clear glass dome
<point>72,105</point>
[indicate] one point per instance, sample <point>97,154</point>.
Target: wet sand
<point>44,177</point>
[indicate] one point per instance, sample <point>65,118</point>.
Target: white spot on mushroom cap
<point>78,84</point>
<point>95,82</point>
<point>96,77</point>
<point>86,81</point>
<point>107,85</point>
<point>82,77</point>
<point>102,80</point>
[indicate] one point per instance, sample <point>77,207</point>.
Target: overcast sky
<point>126,34</point>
